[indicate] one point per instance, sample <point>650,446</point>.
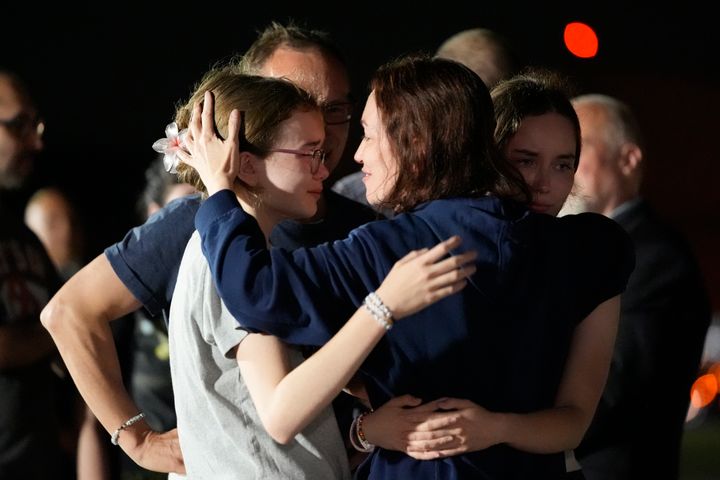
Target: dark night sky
<point>107,77</point>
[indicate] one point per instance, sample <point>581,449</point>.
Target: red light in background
<point>581,40</point>
<point>703,390</point>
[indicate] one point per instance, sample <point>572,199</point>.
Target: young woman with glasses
<point>237,411</point>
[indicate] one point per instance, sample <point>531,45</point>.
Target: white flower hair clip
<point>173,142</point>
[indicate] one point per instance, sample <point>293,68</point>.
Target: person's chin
<point>310,210</point>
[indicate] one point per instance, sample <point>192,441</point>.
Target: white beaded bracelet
<point>116,434</point>
<point>378,310</point>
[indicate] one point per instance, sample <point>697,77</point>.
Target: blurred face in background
<point>20,137</point>
<point>50,216</point>
<point>599,177</point>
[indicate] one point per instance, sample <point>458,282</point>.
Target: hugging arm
<point>288,399</point>
<point>425,434</point>
<point>273,291</point>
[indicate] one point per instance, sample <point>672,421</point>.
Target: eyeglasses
<point>23,123</point>
<point>337,113</point>
<point>317,157</point>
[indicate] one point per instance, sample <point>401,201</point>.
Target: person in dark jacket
<point>665,311</point>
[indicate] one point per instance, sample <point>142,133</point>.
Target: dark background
<point>108,76</point>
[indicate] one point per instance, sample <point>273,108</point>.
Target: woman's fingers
<point>195,126</point>
<point>208,118</point>
<point>447,276</point>
<point>441,249</point>
<point>456,262</point>
<point>439,442</point>
<point>411,255</point>
<point>405,401</point>
<point>422,410</point>
<point>431,455</point>
<point>420,438</point>
<point>446,291</point>
<point>233,127</point>
<point>185,157</point>
<point>438,421</point>
<point>452,277</point>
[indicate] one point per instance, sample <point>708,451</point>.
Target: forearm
<point>546,431</point>
<point>462,426</point>
<point>300,396</point>
<point>585,373</point>
<point>453,426</point>
<point>91,358</point>
<point>77,318</point>
<point>414,282</point>
<point>23,345</point>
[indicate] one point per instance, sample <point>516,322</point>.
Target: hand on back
<point>422,277</point>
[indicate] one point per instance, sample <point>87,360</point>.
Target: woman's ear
<point>248,169</point>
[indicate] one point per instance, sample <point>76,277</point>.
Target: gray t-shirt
<point>221,435</point>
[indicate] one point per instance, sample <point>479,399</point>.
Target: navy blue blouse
<point>502,342</point>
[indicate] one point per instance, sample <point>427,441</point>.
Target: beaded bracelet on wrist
<point>379,311</point>
<point>357,436</point>
<point>131,421</point>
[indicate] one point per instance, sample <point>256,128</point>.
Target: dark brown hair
<point>439,121</point>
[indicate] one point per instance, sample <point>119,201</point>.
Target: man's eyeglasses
<point>337,113</point>
<point>317,157</point>
<point>23,123</point>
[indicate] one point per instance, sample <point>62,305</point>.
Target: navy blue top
<point>148,258</point>
<point>502,342</point>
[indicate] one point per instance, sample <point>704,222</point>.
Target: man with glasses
<point>316,64</point>
<point>29,420</point>
<point>20,135</point>
<point>141,270</point>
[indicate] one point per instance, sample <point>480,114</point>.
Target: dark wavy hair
<point>531,93</point>
<point>439,120</point>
